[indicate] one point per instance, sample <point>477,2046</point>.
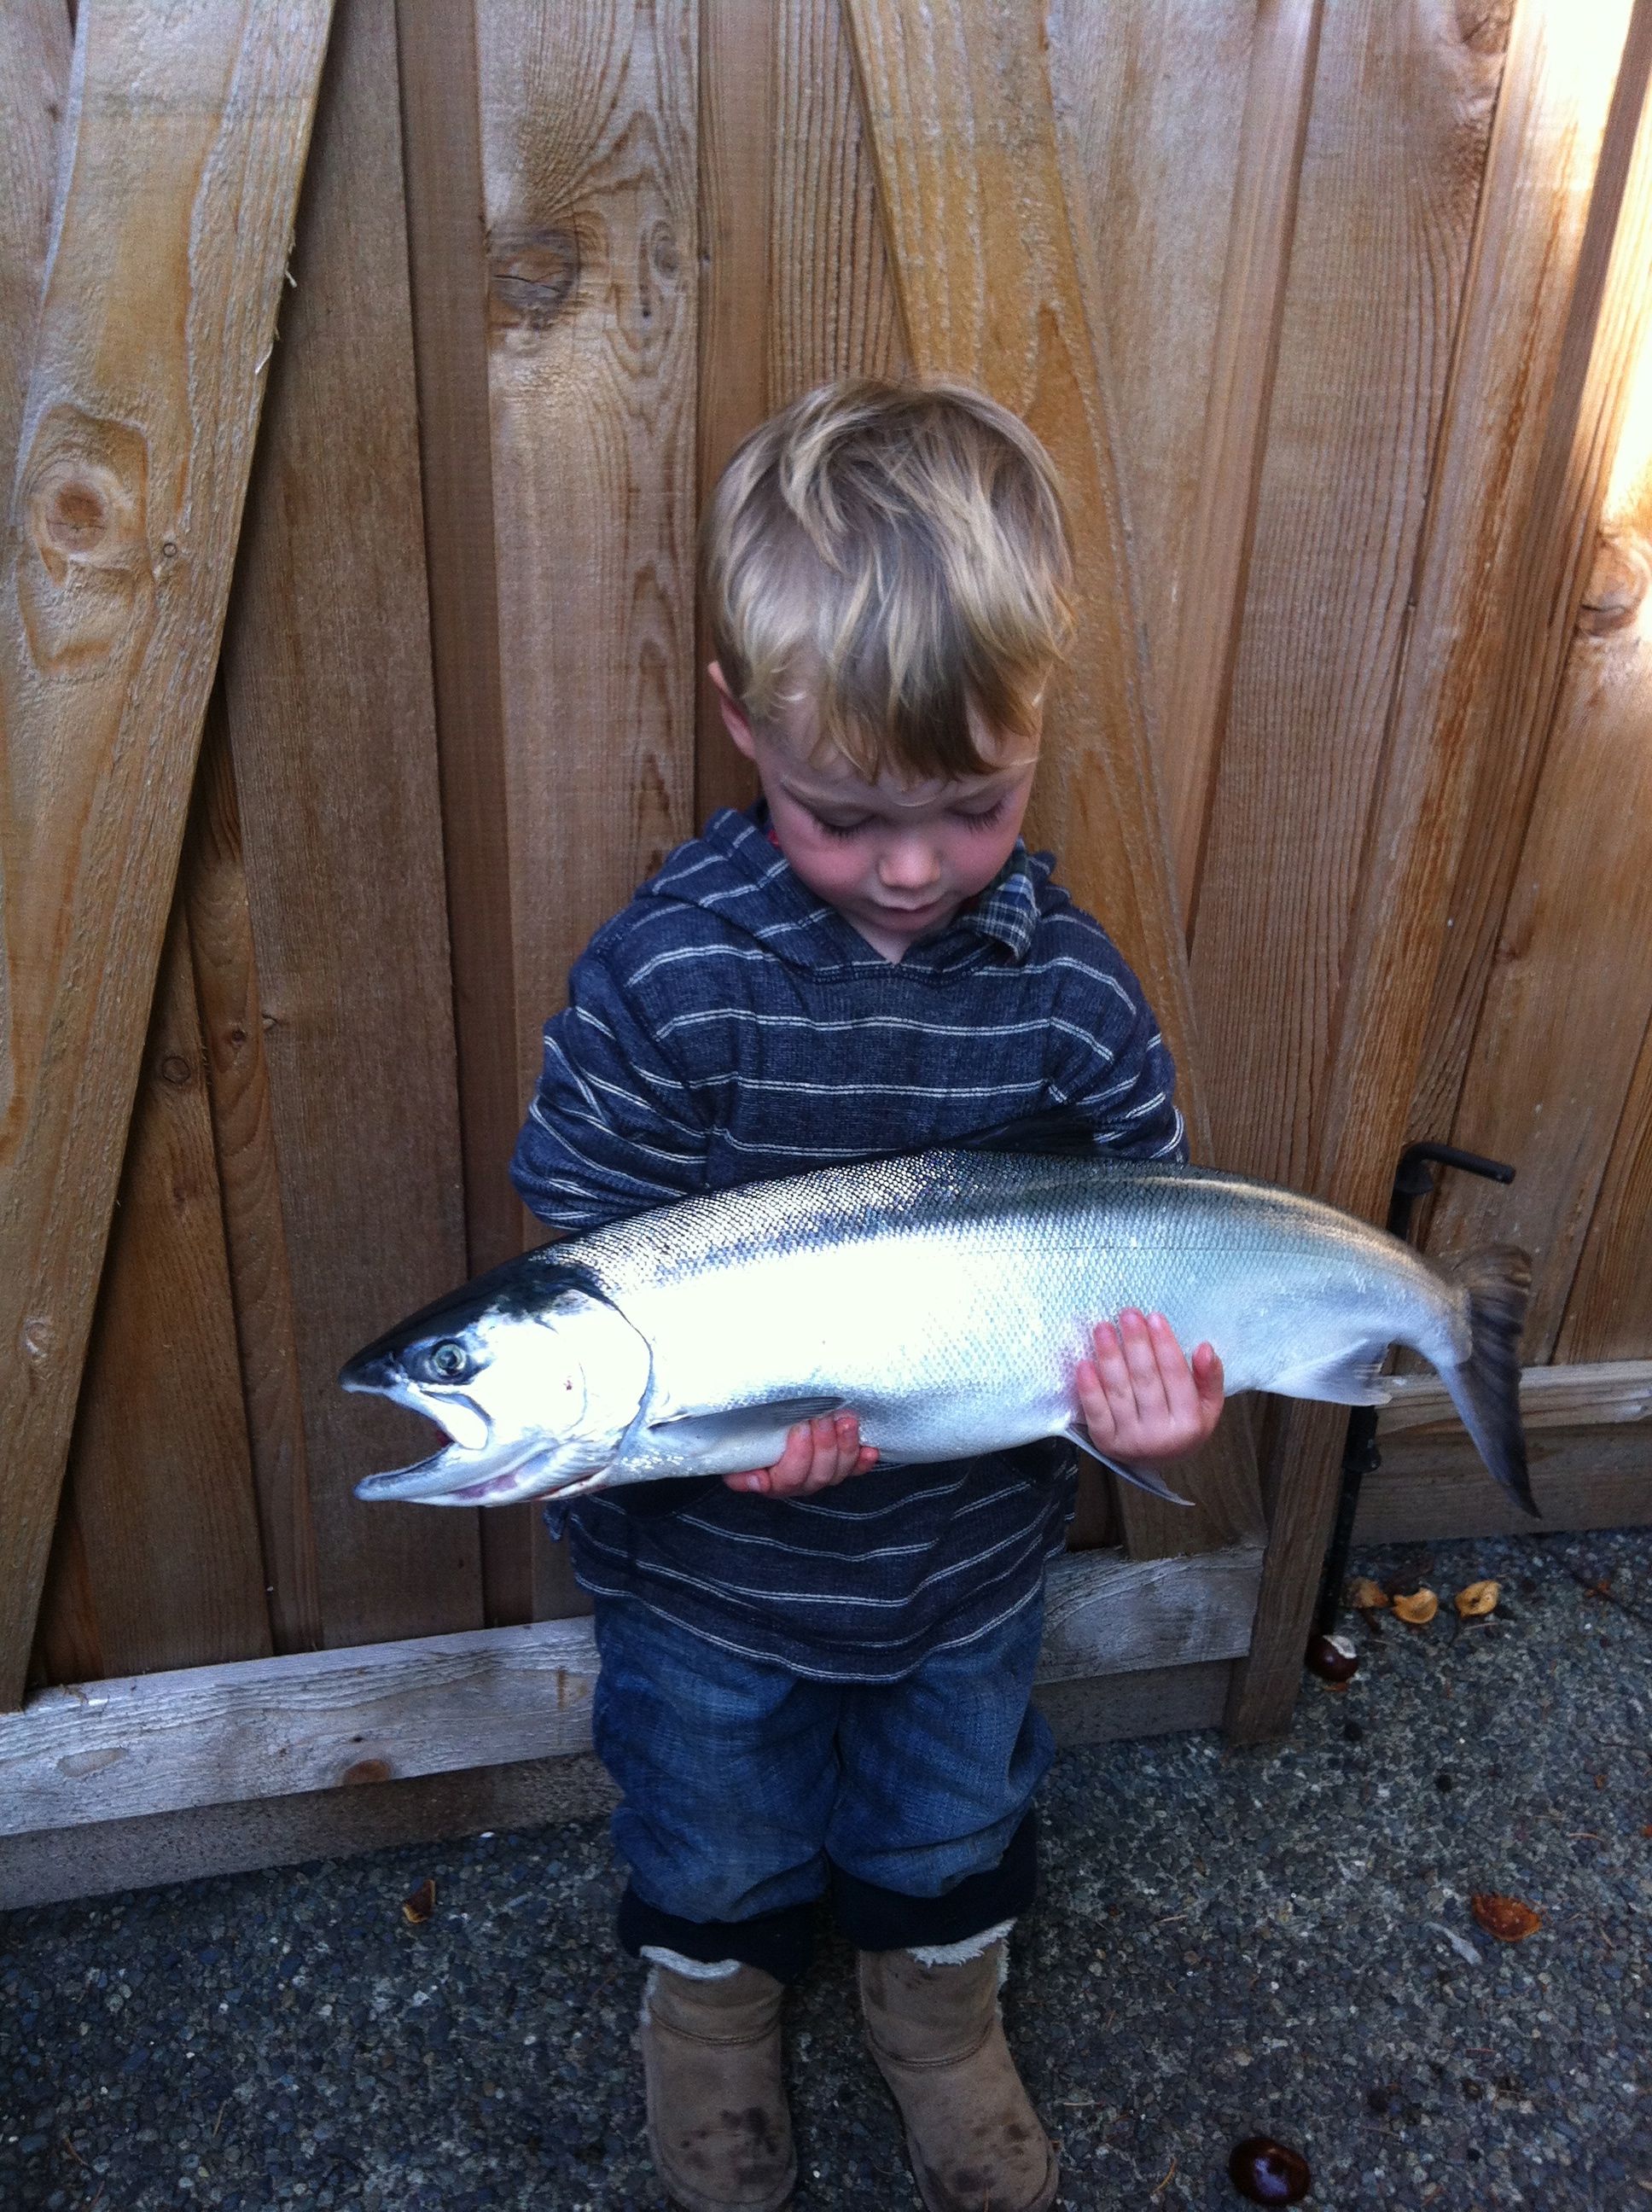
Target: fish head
<point>534,1385</point>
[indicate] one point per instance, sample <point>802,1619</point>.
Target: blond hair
<point>896,554</point>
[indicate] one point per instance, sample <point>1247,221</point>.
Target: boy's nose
<point>911,864</point>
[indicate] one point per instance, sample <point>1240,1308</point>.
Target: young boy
<point>806,1693</point>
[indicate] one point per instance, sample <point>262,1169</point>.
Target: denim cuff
<point>781,1942</point>
<point>875,1919</point>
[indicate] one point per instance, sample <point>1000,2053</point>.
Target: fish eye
<point>447,1361</point>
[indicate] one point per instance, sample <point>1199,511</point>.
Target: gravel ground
<point>1229,1942</point>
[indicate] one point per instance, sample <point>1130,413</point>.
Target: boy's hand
<point>817,1454</point>
<point>1140,1398</point>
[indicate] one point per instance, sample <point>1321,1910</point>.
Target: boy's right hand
<point>817,1454</point>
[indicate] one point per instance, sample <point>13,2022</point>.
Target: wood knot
<point>84,502</point>
<point>366,1770</point>
<point>533,277</point>
<point>175,1069</point>
<point>38,1337</point>
<point>1617,584</point>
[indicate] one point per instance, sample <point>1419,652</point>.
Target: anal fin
<point>1139,1478</point>
<point>1343,1378</point>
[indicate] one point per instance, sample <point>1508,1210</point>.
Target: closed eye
<point>983,818</point>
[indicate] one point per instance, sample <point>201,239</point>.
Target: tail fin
<point>1486,1389</point>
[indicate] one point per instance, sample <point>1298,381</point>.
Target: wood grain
<point>1395,149</point>
<point>995,273</point>
<point>1107,1614</point>
<point>36,43</point>
<point>441,156</point>
<point>1610,158</point>
<point>1586,1394</point>
<point>1156,1702</point>
<point>441,160</point>
<point>329,706</point>
<point>155,1848</point>
<point>160,1477</point>
<point>207,1736</point>
<point>1564,982</point>
<point>588,145</point>
<point>1189,122</point>
<point>1431,1490</point>
<point>136,438</point>
<point>212,882</point>
<point>737,144</point>
<point>795,287</point>
<point>1472,575</point>
<point>589,137</point>
<point>835,308</point>
<point>1609,1314</point>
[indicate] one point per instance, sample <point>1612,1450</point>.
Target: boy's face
<point>897,861</point>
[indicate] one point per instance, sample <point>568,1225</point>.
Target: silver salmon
<point>945,1297</point>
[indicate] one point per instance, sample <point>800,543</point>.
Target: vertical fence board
<point>441,151</point>
<point>1472,571</point>
<point>1222,522</point>
<point>797,288</point>
<point>212,880</point>
<point>1610,1313</point>
<point>589,137</point>
<point>992,262</point>
<point>1187,122</point>
<point>160,1477</point>
<point>835,313</point>
<point>135,440</point>
<point>328,698</point>
<point>1567,978</point>
<point>1395,149</point>
<point>588,148</point>
<point>448,270</point>
<point>738,145</point>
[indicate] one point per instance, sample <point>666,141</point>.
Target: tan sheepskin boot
<point>718,2123</point>
<point>936,2032</point>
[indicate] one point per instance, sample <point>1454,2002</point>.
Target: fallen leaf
<point>1479,1599</point>
<point>421,1904</point>
<point>1417,1610</point>
<point>1506,1917</point>
<point>1367,1597</point>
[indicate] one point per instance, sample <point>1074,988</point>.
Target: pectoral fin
<point>1141,1478</point>
<point>740,1426</point>
<point>1347,1378</point>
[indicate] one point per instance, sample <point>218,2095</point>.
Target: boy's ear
<point>735,720</point>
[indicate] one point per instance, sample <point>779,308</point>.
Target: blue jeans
<point>751,1791</point>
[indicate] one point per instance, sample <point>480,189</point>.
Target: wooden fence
<point>349,653</point>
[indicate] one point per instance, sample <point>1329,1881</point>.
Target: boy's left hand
<point>1140,1398</point>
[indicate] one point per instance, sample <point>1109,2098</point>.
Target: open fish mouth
<point>443,1471</point>
<point>469,1457</point>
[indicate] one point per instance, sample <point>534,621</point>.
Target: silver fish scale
<point>948,1296</point>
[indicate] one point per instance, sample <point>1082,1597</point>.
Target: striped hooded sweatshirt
<point>728,1027</point>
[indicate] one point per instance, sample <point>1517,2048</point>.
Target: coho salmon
<point>945,1297</point>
